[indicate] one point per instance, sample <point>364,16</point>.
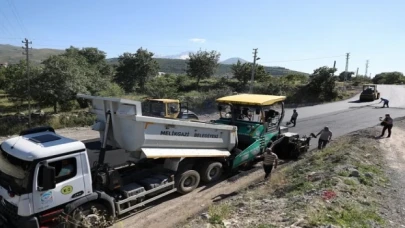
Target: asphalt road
<point>350,115</point>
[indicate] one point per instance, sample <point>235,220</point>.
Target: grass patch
<point>349,181</point>
<point>348,215</point>
<point>219,212</point>
<point>265,226</point>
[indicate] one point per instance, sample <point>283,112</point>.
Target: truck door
<point>69,183</point>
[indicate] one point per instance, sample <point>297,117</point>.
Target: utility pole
<point>334,67</point>
<point>26,53</point>
<point>347,66</point>
<point>357,72</point>
<point>252,79</point>
<point>366,68</point>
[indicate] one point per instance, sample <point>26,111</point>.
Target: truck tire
<point>211,171</point>
<point>77,219</point>
<point>187,181</point>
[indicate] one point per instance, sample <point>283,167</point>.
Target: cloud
<point>197,40</point>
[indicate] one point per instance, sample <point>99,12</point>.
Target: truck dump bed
<point>151,137</point>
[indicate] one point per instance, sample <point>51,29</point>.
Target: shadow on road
<point>358,101</point>
<point>223,196</point>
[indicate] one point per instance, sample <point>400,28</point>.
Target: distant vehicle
<point>370,93</point>
<point>167,108</point>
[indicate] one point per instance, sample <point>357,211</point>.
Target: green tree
<point>243,72</point>
<point>202,64</point>
<point>348,76</point>
<point>135,69</point>
<point>322,83</point>
<point>389,78</point>
<point>62,78</point>
<point>296,79</point>
<point>165,86</point>
<point>16,81</point>
<point>360,79</point>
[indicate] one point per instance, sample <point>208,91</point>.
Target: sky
<point>296,34</point>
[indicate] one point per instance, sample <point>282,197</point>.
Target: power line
<point>347,65</point>
<point>366,68</point>
<point>15,12</point>
<point>296,60</point>
<point>252,79</point>
<point>26,53</point>
<point>8,21</point>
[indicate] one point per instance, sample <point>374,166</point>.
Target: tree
<point>296,78</point>
<point>389,78</point>
<point>243,72</point>
<point>343,76</point>
<point>322,83</point>
<point>202,65</point>
<point>62,78</point>
<point>165,86</point>
<point>135,69</point>
<point>15,82</point>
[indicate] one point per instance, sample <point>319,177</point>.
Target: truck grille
<point>8,210</point>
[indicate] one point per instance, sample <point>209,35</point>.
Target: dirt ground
<point>358,182</point>
<point>394,195</point>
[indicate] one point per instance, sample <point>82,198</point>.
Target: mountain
<point>172,64</point>
<point>183,55</point>
<point>13,54</point>
<point>234,60</point>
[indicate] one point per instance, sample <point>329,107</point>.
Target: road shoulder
<point>357,182</point>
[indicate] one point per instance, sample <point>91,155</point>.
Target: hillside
<point>233,61</point>
<point>178,66</point>
<point>13,54</point>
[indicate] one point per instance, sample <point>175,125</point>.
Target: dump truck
<point>45,176</point>
<point>369,93</point>
<point>167,108</point>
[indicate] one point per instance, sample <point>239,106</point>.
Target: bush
<point>11,125</point>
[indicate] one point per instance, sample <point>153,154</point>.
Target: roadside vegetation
<point>53,85</point>
<point>337,187</point>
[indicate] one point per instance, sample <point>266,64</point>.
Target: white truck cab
<point>41,171</point>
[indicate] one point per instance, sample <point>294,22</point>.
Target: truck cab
<point>40,172</point>
<point>369,93</point>
<point>167,108</point>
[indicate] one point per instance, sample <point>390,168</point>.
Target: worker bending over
<point>326,136</point>
<point>388,124</point>
<point>385,102</point>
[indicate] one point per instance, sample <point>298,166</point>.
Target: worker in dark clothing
<point>388,124</point>
<point>385,102</point>
<point>326,136</point>
<point>294,117</point>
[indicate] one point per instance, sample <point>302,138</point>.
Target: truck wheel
<point>86,216</point>
<point>211,171</point>
<point>188,181</point>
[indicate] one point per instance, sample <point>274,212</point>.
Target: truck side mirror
<point>48,178</point>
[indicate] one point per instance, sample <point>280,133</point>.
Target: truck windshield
<point>14,172</point>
